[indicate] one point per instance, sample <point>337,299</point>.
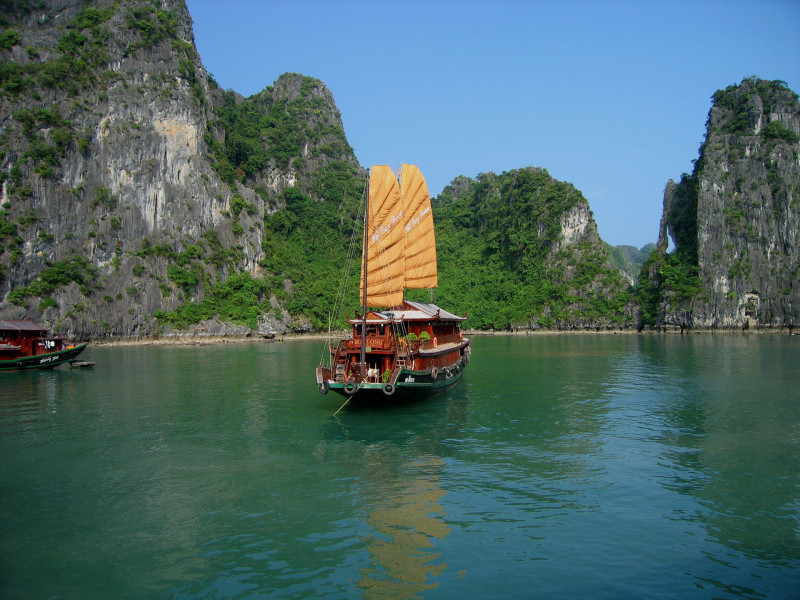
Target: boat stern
<point>323,380</point>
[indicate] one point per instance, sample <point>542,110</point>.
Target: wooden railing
<point>376,343</point>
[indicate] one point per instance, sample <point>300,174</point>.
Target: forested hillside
<point>520,250</point>
<point>138,197</point>
<point>629,259</point>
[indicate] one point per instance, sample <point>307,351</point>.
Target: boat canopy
<point>410,311</point>
<point>21,326</point>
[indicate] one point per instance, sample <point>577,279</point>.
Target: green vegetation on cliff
<point>629,259</point>
<point>80,59</point>
<point>503,260</point>
<point>307,241</point>
<point>78,270</point>
<point>502,257</point>
<point>271,129</point>
<point>131,179</point>
<point>665,277</point>
<point>305,244</point>
<point>738,98</point>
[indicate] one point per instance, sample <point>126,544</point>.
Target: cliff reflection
<point>730,434</point>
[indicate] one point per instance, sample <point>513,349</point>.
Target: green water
<point>560,467</point>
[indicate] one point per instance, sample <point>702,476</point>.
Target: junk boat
<point>397,347</point>
<point>26,345</point>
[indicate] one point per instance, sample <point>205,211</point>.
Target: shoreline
<point>210,340</point>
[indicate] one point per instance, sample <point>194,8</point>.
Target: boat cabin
<point>26,338</point>
<point>417,335</point>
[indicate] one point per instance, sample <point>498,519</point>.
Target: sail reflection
<point>403,557</point>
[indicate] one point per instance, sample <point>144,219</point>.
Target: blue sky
<point>611,96</point>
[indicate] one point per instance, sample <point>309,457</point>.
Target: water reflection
<point>731,436</point>
<point>34,398</point>
<point>524,453</point>
<point>541,427</point>
<point>406,517</point>
<point>613,466</point>
<point>399,488</point>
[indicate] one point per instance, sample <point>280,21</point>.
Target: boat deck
<point>442,348</point>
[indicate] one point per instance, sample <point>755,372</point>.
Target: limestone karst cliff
<point>628,260</point>
<point>136,197</point>
<point>127,183</point>
<point>735,221</point>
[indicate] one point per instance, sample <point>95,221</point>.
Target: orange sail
<point>420,241</point>
<point>385,248</point>
<point>401,246</point>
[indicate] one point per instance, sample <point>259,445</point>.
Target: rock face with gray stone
<point>738,214</point>
<point>108,122</point>
<point>124,195</point>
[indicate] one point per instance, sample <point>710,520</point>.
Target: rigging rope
<point>343,289</point>
<point>349,398</point>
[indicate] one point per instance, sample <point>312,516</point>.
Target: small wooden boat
<point>26,345</point>
<point>80,364</point>
<point>397,347</point>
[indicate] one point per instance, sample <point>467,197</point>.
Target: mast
<point>364,305</point>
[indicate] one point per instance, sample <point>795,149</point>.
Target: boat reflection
<point>403,557</point>
<point>399,488</point>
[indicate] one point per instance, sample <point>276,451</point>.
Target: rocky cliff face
<point>736,219</point>
<point>628,260</point>
<point>117,164</point>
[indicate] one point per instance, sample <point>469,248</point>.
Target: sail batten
<point>400,243</point>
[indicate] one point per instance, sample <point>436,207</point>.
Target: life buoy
<point>388,389</point>
<point>350,388</point>
<point>323,388</point>
<point>434,372</point>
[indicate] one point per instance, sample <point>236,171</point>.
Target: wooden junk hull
<point>409,385</point>
<point>413,351</point>
<point>42,361</point>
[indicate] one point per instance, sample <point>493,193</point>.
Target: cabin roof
<point>410,311</point>
<point>432,310</point>
<point>20,326</point>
